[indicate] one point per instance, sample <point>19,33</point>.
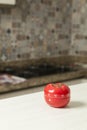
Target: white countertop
<point>30,112</point>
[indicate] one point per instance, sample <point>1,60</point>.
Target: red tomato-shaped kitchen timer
<point>57,95</point>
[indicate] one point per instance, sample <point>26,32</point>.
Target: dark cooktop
<point>40,70</point>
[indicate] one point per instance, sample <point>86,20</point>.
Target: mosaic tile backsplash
<point>43,28</point>
<point>79,28</point>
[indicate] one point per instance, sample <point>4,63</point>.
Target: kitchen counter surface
<point>52,60</point>
<point>30,111</point>
<point>42,80</point>
<point>39,88</point>
<point>38,81</point>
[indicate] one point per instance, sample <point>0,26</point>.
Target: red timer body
<point>57,95</point>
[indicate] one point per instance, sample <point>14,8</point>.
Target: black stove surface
<point>40,70</point>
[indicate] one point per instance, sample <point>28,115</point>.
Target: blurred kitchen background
<point>40,29</point>
<point>43,28</point>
